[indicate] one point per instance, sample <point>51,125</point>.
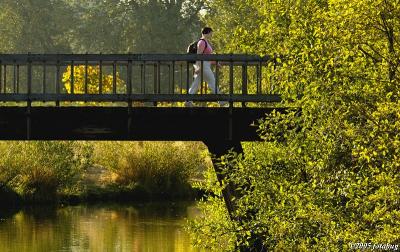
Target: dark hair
<point>206,30</point>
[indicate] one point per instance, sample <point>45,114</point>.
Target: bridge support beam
<point>217,150</point>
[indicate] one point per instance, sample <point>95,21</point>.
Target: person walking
<point>204,47</point>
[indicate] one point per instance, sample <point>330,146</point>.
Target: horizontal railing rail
<point>24,58</point>
<point>138,97</point>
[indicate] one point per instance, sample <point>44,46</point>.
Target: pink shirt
<point>202,44</point>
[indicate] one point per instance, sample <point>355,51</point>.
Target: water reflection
<point>138,227</point>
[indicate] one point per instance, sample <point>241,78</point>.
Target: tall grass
<point>39,170</point>
<point>155,168</point>
<point>42,171</point>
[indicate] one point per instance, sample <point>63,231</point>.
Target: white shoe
<point>189,104</point>
<point>222,103</point>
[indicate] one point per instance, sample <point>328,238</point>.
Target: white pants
<point>208,76</point>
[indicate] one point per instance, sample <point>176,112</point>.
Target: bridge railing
<point>131,78</point>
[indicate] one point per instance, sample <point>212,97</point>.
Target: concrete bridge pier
<point>217,150</point>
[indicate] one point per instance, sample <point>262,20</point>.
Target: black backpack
<point>192,48</point>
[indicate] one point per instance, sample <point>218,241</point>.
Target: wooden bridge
<point>131,97</point>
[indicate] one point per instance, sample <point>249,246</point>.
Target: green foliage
<point>215,218</point>
<point>215,222</point>
<point>327,174</point>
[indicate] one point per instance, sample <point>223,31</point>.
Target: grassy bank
<point>54,171</point>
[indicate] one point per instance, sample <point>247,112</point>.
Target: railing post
<point>29,77</point>
<point>216,77</point>
<point>230,123</point>
<point>172,91</point>
<point>72,77</point>
<point>201,76</point>
<point>29,89</point>
<point>1,75</point>
<point>129,91</point>
<point>187,77</point>
<point>15,76</point>
<point>44,77</point>
<point>17,79</point>
<point>129,78</point>
<point>181,78</point>
<point>143,77</point>
<point>244,81</point>
<point>86,76</point>
<point>230,83</point>
<point>258,72</point>
<point>100,76</point>
<point>58,81</point>
<point>5,80</point>
<point>272,86</point>
<point>114,77</point>
<point>158,77</point>
<point>155,80</point>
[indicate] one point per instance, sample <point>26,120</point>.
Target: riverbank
<point>121,194</point>
<point>94,189</point>
<point>51,172</point>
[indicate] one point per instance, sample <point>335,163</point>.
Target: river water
<point>104,227</point>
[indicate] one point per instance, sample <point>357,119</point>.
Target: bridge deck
<point>118,123</point>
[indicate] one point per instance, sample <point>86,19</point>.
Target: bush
<point>157,168</point>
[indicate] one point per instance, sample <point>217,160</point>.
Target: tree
<point>327,174</point>
<point>102,26</point>
<point>154,26</point>
<point>161,26</point>
<point>37,27</point>
<point>97,26</point>
<point>93,80</point>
